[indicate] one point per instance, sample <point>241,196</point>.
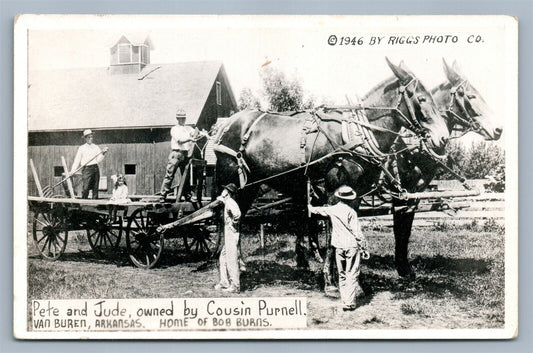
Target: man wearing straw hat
<point>348,241</point>
<point>88,156</point>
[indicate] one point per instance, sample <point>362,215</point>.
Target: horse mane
<point>388,84</point>
<point>441,87</point>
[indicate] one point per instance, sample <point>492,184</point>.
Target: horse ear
<point>457,69</point>
<point>400,73</point>
<point>452,76</point>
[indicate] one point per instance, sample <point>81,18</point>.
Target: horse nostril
<point>498,130</point>
<point>443,140</point>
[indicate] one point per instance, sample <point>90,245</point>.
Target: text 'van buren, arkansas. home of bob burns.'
<point>130,106</point>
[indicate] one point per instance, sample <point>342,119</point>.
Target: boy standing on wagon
<point>349,243</point>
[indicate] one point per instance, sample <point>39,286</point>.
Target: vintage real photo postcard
<point>302,177</point>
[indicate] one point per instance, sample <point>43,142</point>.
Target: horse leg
<point>300,250</point>
<point>403,222</point>
<point>313,239</point>
<point>329,279</point>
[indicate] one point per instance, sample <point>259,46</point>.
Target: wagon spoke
<point>54,247</point>
<point>58,236</point>
<point>197,245</point>
<point>142,220</point>
<point>42,238</point>
<point>43,248</point>
<point>137,223</point>
<point>109,234</point>
<point>41,222</point>
<point>49,244</point>
<point>46,218</point>
<point>103,238</point>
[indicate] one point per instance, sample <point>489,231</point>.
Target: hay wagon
<point>110,225</point>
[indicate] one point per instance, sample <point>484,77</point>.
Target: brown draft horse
<point>268,147</point>
<point>461,105</point>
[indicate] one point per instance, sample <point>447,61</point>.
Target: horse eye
<point>421,98</point>
<point>471,96</point>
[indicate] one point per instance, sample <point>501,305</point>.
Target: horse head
<point>464,105</point>
<point>411,104</point>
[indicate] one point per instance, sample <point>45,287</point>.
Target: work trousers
<point>90,176</point>
<point>348,261</point>
<point>177,159</point>
<point>229,259</point>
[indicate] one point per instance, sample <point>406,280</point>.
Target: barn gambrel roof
<point>72,99</point>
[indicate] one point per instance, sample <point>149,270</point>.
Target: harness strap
<point>242,166</point>
<point>308,127</point>
<point>248,132</point>
<point>413,123</point>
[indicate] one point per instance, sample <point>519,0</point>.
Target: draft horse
<point>284,151</point>
<point>463,109</point>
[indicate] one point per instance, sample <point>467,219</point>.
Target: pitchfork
<point>48,191</point>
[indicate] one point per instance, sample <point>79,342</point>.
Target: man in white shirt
<point>348,241</point>
<point>181,143</point>
<point>88,156</point>
<point>229,256</point>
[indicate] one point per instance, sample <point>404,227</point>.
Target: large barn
<point>130,105</point>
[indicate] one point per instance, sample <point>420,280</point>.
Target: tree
<point>281,93</point>
<point>476,162</point>
<point>482,159</point>
<point>248,100</point>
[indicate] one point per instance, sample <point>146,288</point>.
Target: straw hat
<point>232,188</point>
<point>87,132</point>
<point>345,193</point>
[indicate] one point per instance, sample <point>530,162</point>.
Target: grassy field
<point>459,283</point>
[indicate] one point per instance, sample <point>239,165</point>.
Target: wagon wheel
<point>144,244</point>
<point>103,235</point>
<point>47,234</point>
<point>199,242</point>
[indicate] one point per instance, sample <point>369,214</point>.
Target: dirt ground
<point>459,283</point>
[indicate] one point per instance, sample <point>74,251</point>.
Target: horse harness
<point>467,119</point>
<point>366,149</point>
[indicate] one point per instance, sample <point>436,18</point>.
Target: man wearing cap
<point>229,256</point>
<point>348,241</point>
<point>88,156</point>
<point>182,138</point>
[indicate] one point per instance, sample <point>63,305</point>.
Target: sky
<point>297,46</point>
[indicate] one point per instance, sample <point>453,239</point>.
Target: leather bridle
<point>463,117</point>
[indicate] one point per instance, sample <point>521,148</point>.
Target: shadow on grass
<point>435,276</point>
<point>269,248</point>
<point>435,264</point>
<point>275,274</point>
<point>445,265</point>
<point>120,258</point>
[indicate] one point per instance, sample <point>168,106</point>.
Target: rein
<point>374,155</point>
<point>467,120</point>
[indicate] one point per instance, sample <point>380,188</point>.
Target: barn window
<point>124,53</point>
<point>144,55</point>
<point>219,93</point>
<point>58,170</point>
<point>129,169</point>
<point>135,54</point>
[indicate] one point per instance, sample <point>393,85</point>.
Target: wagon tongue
<point>199,215</point>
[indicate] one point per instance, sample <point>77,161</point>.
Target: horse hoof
<point>407,275</point>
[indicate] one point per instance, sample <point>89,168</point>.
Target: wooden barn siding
<point>146,148</point>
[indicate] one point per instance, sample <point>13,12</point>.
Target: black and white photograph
<point>265,177</point>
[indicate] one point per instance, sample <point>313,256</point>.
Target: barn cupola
<point>130,56</point>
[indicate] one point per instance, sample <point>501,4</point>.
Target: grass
<point>460,278</point>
